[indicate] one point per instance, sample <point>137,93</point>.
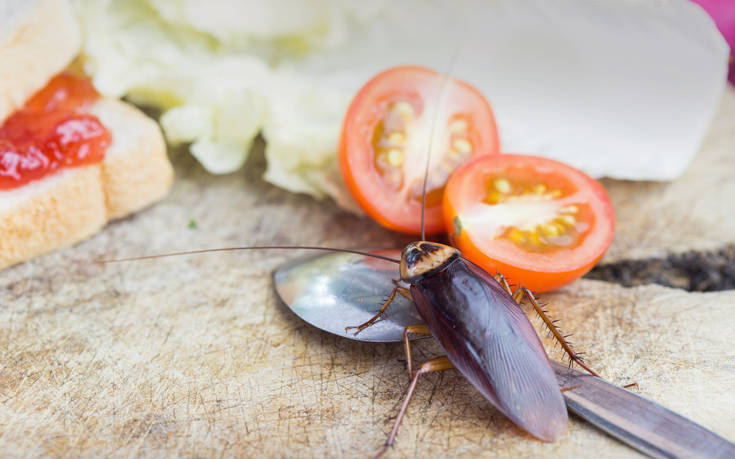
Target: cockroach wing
<point>493,344</point>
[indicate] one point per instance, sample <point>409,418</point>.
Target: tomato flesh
<point>539,222</point>
<point>50,133</point>
<point>391,125</point>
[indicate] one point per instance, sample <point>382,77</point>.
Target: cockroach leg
<point>565,389</point>
<point>412,330</point>
<point>502,281</point>
<point>376,316</point>
<point>437,364</point>
<point>518,297</point>
<point>403,290</point>
<point>628,386</point>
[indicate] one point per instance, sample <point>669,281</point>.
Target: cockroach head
<point>422,258</point>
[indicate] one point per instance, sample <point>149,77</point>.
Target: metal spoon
<point>335,290</point>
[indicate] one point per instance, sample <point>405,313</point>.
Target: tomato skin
<point>539,272</point>
<point>356,154</point>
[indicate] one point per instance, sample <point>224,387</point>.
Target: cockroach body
<point>486,336</point>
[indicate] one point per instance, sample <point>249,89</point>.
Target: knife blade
<point>642,424</point>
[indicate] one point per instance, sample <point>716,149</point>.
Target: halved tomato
<point>537,221</point>
<point>389,128</point>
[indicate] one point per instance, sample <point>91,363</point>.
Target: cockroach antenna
<point>261,247</point>
<point>439,102</point>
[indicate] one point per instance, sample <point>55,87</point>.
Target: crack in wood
<point>694,271</point>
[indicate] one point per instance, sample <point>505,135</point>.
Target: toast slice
<point>39,39</point>
<point>71,205</point>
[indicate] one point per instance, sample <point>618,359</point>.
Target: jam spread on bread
<point>51,132</point>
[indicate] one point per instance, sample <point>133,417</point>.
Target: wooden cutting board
<point>195,357</point>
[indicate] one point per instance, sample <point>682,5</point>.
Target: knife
<point>642,424</point>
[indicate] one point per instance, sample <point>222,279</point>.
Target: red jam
<point>51,132</point>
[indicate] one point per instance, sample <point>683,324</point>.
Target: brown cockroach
<point>478,321</point>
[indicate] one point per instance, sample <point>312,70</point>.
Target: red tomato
<point>539,222</point>
<point>387,133</point>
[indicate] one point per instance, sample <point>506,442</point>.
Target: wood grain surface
<point>194,356</point>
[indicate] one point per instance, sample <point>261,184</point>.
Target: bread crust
<point>73,204</point>
<point>68,208</point>
<point>136,171</point>
<point>40,44</point>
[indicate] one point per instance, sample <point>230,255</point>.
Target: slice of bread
<point>71,205</point>
<point>38,39</point>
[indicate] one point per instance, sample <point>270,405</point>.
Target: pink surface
<point>723,12</point>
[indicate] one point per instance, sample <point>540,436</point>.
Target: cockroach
<point>478,322</point>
